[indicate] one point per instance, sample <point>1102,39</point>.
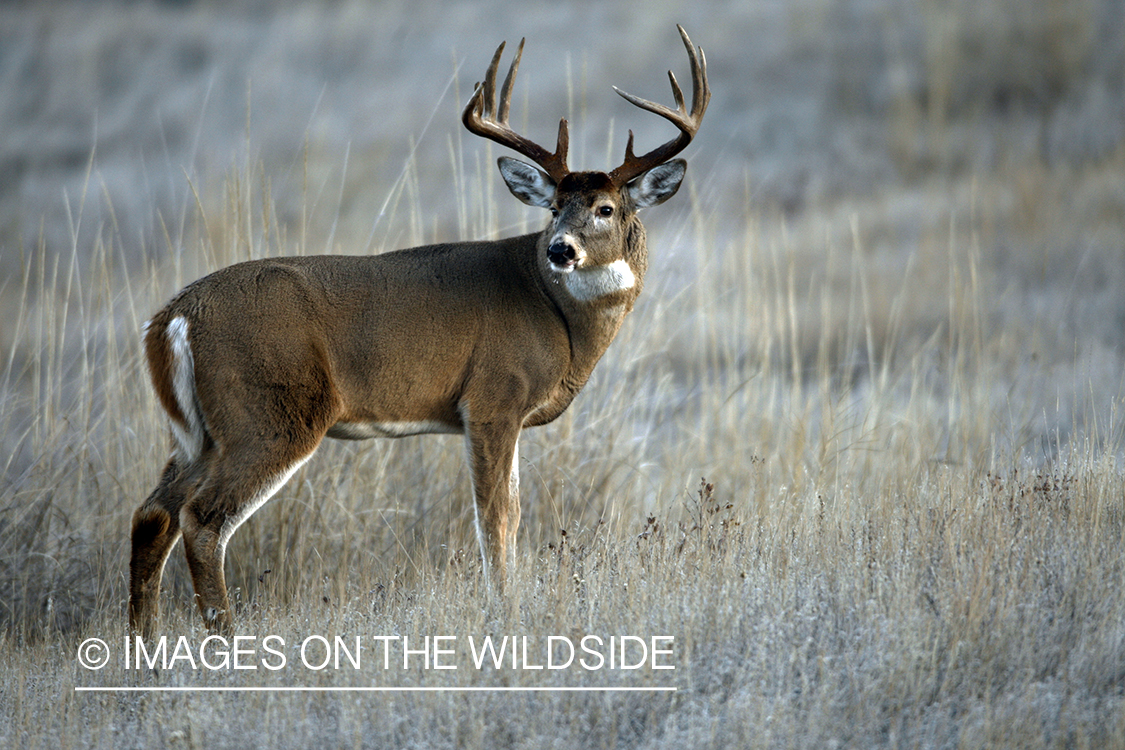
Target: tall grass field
<point>851,475</point>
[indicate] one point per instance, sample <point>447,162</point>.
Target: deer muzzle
<point>562,254</point>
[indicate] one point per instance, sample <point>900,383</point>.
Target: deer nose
<point>561,253</point>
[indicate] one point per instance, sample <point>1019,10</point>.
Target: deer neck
<point>594,301</point>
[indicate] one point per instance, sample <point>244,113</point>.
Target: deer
<point>256,363</point>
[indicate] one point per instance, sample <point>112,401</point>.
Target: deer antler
<point>482,117</point>
<point>688,123</point>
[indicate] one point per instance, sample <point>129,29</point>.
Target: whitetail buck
<point>257,363</point>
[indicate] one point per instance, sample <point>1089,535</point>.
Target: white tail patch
<point>189,436</point>
<point>586,284</point>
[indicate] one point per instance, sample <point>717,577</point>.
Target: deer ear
<point>529,184</point>
<point>657,184</point>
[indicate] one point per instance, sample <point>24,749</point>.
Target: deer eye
<point>606,211</point>
<point>554,212</point>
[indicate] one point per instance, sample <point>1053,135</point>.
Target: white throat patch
<point>586,284</point>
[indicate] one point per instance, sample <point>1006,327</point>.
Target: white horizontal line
<point>285,689</point>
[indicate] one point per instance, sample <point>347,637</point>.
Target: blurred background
<point>122,108</point>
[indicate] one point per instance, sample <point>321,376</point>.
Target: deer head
<point>591,211</point>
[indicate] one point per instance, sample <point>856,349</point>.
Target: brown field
<point>858,450</point>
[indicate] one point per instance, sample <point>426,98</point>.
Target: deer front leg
<point>493,456</point>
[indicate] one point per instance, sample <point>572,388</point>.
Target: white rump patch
<point>189,437</point>
<point>586,284</point>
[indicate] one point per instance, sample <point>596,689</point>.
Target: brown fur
<point>286,349</point>
<point>479,338</point>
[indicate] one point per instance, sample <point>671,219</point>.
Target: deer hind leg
<point>156,528</point>
<point>493,455</point>
<point>233,489</point>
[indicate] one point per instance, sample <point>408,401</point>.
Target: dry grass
<point>901,545</point>
<point>905,400</point>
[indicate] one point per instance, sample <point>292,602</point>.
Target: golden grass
<point>859,455</point>
<point>909,533</point>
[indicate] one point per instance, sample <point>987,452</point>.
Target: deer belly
<point>367,430</point>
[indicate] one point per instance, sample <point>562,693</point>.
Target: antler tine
<point>676,92</point>
<point>485,117</point>
<point>687,122</point>
<point>488,92</point>
<point>509,82</point>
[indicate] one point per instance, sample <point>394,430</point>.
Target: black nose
<point>561,254</point>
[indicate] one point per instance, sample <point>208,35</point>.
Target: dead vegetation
<point>903,392</point>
